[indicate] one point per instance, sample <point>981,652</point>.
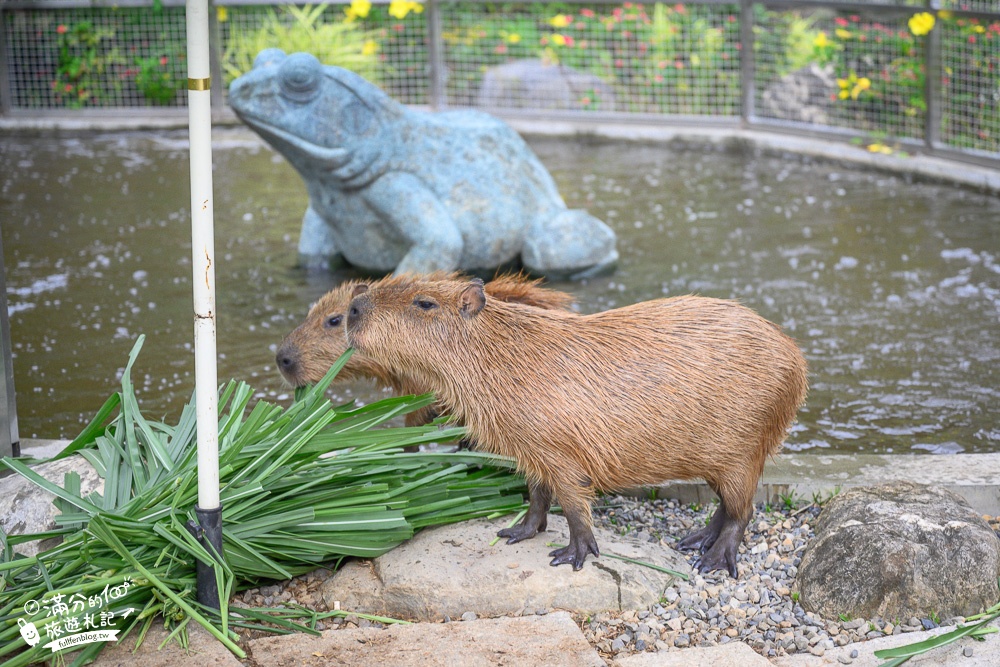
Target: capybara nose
<point>287,359</point>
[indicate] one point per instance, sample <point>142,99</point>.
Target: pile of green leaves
<point>300,487</point>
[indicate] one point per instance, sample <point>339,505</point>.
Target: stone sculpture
<point>393,188</point>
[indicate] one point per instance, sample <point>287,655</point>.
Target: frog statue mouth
<point>290,144</point>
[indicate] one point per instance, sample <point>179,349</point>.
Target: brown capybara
<point>666,389</point>
<point>306,354</point>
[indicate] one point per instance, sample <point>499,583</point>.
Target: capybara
<point>306,354</point>
<point>667,389</point>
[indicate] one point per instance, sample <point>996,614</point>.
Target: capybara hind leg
<point>722,554</point>
<point>535,521</point>
<point>704,539</point>
<point>581,538</point>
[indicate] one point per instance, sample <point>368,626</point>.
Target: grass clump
<point>301,487</point>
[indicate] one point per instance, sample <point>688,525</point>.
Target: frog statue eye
<point>301,75</point>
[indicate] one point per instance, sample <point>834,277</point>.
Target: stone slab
<point>975,477</point>
<point>984,654</point>
<point>450,570</point>
<point>552,640</point>
<point>26,508</point>
<point>733,654</point>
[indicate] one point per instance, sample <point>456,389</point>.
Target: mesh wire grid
<point>860,70</point>
<point>970,83</point>
<point>390,51</point>
<point>80,58</point>
<point>630,57</point>
<point>855,71</point>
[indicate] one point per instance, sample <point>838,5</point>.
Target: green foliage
<point>156,79</point>
<point>84,60</point>
<point>343,42</point>
<point>300,487</point>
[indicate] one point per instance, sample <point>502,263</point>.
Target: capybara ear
<point>472,299</point>
<point>360,288</point>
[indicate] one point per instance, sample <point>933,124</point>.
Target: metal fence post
<point>748,101</point>
<point>435,55</point>
<point>932,81</point>
<point>215,50</point>
<point>9,441</point>
<point>5,101</point>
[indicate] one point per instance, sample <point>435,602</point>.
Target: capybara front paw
<point>700,539</point>
<point>718,558</point>
<point>517,533</point>
<point>574,553</point>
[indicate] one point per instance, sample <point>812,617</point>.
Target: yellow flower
<point>921,24</point>
<point>978,28</point>
<point>843,83</point>
<point>844,94</point>
<point>221,13</point>
<point>513,38</point>
<point>358,9</point>
<point>559,21</point>
<point>370,48</point>
<point>843,34</point>
<point>695,59</point>
<point>879,148</point>
<point>558,40</point>
<point>398,9</point>
<point>864,83</point>
<point>944,15</point>
<point>820,40</point>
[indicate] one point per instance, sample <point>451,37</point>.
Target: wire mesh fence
<point>889,71</point>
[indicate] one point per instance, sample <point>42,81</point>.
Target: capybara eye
<point>425,304</point>
<point>333,321</point>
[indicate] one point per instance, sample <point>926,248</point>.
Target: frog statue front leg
<point>317,246</point>
<point>414,213</point>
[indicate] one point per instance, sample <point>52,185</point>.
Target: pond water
<point>891,287</point>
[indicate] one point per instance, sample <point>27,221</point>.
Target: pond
<point>890,286</point>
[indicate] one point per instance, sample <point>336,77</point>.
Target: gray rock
<point>393,188</point>
<point>26,508</point>
<point>449,570</point>
<point>803,96</point>
<point>899,550</point>
<point>534,84</point>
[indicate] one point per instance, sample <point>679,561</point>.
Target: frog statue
<point>398,189</point>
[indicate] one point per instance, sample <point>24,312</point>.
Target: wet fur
<point>679,388</point>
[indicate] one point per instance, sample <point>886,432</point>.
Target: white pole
<point>208,511</point>
<point>203,253</point>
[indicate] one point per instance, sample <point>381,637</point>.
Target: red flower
<point>501,49</point>
<point>589,13</point>
<point>164,60</point>
<point>840,21</point>
<point>619,63</point>
<point>61,29</point>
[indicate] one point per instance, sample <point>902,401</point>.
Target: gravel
<point>759,609</point>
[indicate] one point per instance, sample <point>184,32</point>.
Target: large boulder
<point>535,84</point>
<point>27,508</point>
<point>805,95</point>
<point>899,550</point>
